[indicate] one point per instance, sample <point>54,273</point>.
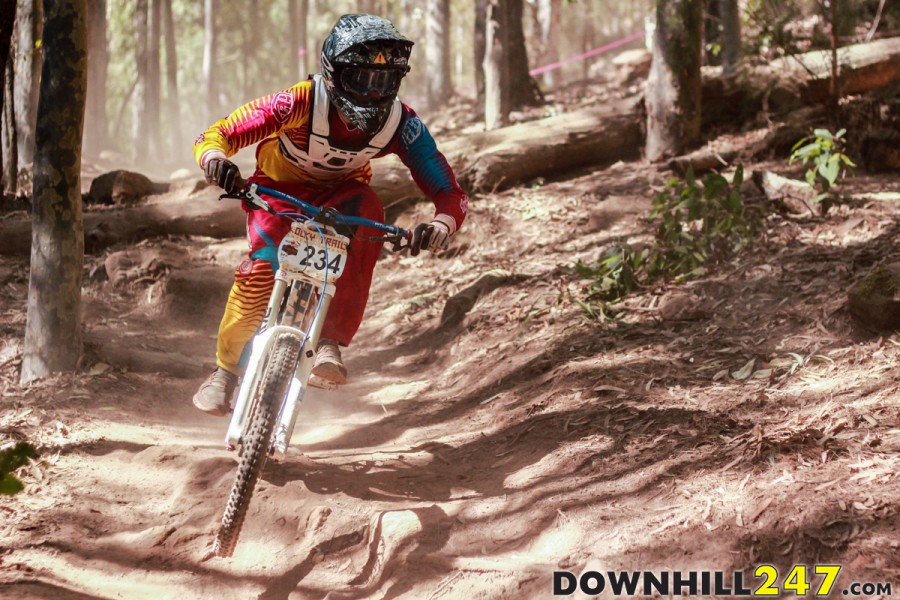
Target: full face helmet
<point>364,59</point>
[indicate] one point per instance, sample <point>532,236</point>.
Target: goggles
<point>368,86</point>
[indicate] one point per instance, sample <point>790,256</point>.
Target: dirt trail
<point>484,443</point>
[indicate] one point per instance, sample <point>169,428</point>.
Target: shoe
<point>214,396</point>
<point>329,365</point>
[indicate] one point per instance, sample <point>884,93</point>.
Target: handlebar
<point>250,192</point>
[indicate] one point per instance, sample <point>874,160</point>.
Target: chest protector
<point>324,160</point>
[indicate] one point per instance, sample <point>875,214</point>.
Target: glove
<point>434,236</point>
<point>222,172</point>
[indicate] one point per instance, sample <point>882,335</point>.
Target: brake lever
<point>254,201</point>
<point>398,242</point>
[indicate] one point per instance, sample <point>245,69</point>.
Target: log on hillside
<point>123,187</point>
<point>765,143</point>
<point>788,83</point>
<point>173,214</point>
<point>483,162</point>
<point>551,146</point>
<point>509,156</point>
<point>796,195</point>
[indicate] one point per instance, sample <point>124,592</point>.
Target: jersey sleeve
<point>255,121</point>
<point>429,168</point>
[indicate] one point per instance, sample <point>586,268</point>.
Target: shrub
<point>10,460</point>
<point>825,151</point>
<point>697,224</point>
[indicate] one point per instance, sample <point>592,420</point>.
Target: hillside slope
<point>490,433</point>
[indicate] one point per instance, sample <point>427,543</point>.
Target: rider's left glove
<point>433,236</point>
<point>222,172</point>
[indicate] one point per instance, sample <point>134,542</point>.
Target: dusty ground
<point>481,445</point>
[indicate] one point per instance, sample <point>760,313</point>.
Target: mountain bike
<point>311,258</point>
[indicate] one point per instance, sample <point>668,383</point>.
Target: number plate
<point>305,252</point>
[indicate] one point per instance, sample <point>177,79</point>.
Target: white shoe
<point>329,365</point>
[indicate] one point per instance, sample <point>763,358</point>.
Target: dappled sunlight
<point>613,364</point>
<point>564,460</point>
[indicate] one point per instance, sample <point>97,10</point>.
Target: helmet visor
<point>368,86</point>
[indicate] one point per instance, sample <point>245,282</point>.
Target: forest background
<point>160,71</point>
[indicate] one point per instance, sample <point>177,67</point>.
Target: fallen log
<point>513,155</point>
<point>788,83</point>
<point>174,214</point>
<point>765,143</point>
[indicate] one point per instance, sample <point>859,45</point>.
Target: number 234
<point>319,255</point>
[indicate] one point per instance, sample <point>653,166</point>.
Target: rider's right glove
<point>222,172</point>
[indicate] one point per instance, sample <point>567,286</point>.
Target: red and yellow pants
<point>254,278</point>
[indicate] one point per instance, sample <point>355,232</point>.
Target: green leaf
<point>811,178</point>
<point>689,176</point>
<point>806,152</point>
<point>9,485</point>
<point>16,457</point>
<point>847,160</point>
<point>738,180</point>
<point>840,133</point>
<point>823,134</point>
<point>832,168</point>
<point>798,144</point>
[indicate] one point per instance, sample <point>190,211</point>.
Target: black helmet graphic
<point>364,58</point>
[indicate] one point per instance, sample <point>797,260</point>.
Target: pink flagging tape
<point>588,54</point>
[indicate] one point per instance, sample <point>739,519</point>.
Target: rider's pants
<point>254,278</point>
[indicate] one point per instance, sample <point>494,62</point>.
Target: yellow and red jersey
<point>289,113</point>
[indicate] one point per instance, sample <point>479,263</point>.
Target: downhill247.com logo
<point>800,580</point>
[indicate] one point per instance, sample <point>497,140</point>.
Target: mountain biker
<point>315,142</point>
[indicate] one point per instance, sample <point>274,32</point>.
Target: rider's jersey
<point>282,122</point>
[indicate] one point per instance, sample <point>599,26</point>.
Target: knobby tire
<point>258,440</point>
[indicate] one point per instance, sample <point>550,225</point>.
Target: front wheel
<point>255,445</point>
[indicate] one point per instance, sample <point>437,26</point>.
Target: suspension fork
<point>260,345</point>
<point>288,418</point>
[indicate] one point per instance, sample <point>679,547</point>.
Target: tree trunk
<point>173,107</point>
<point>497,98</point>
<point>549,19</point>
<point>437,51</point>
<point>53,339</point>
<point>479,50</point>
<point>524,90</point>
<point>95,132</point>
<point>298,10</point>
<point>7,22</point>
<point>10,151</point>
<point>140,103</point>
<point>835,86</point>
<point>674,85</point>
<point>730,14</point>
<point>587,35</point>
<point>207,78</point>
<point>28,76</point>
<point>249,32</point>
<point>154,83</point>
